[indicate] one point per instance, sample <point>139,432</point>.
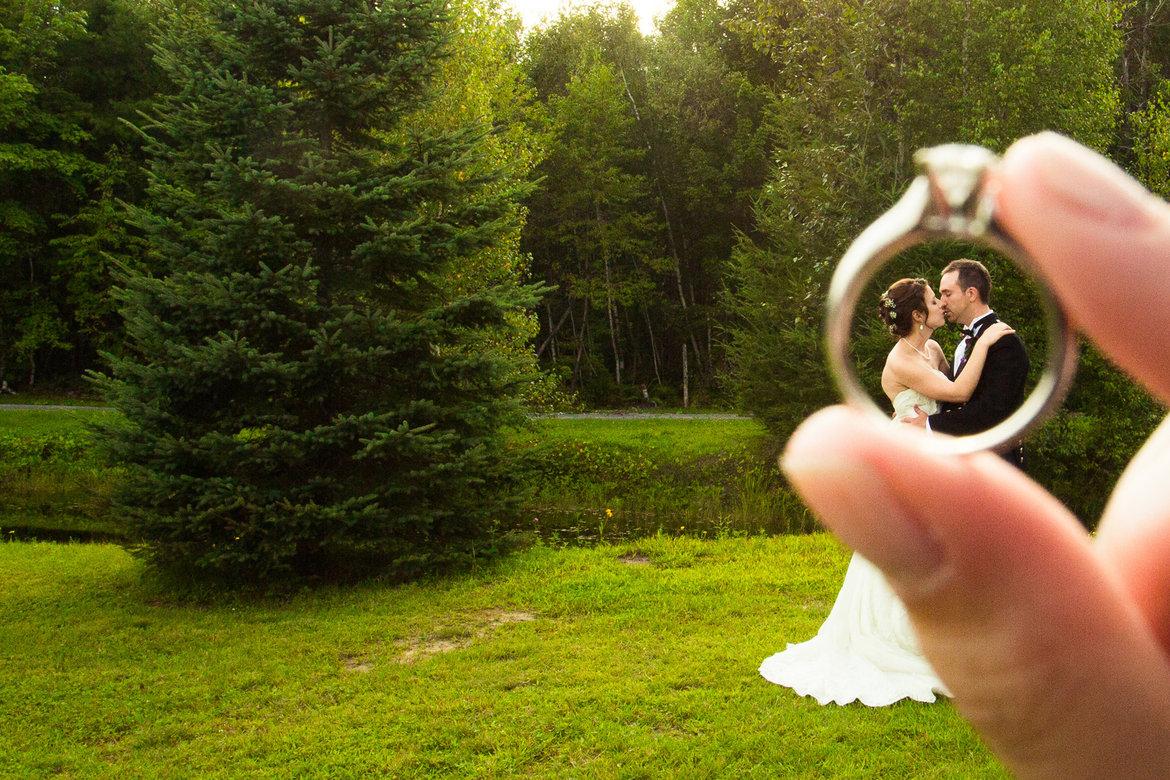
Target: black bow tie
<point>967,333</point>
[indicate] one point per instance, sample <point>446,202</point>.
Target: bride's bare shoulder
<point>894,372</point>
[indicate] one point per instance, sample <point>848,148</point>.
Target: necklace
<point>916,349</point>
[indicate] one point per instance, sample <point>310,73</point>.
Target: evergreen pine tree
<point>301,387</point>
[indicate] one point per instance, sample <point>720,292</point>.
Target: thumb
<point>1101,241</point>
<point>1045,655</point>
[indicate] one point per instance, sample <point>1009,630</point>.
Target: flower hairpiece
<point>888,302</point>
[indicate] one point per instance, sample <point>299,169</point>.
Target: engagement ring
<point>949,200</point>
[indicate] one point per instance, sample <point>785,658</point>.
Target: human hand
<point>1056,646</point>
<point>918,420</point>
<point>995,331</point>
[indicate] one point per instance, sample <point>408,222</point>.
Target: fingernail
<point>1089,184</point>
<point>859,507</point>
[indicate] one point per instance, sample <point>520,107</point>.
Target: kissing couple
<point>866,649</point>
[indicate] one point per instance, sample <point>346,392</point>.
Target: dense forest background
<point>666,208</point>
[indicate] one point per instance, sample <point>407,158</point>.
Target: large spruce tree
<point>301,385</point>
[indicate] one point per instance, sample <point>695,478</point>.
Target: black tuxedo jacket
<point>1000,390</point>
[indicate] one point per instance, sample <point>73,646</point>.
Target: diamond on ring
<point>956,174</point>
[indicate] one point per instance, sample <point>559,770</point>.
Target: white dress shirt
<point>961,349</point>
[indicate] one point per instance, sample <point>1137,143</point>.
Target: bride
<point>866,649</point>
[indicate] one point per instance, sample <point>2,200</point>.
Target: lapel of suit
<point>984,324</point>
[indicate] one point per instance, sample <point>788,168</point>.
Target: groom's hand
<point>1056,646</point>
<point>918,420</point>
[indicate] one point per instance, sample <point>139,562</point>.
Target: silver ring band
<point>948,200</point>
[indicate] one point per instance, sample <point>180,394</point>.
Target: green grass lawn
<point>630,660</point>
<point>659,438</point>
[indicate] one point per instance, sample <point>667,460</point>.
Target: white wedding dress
<point>866,649</point>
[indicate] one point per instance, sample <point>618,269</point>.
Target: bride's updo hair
<point>899,302</point>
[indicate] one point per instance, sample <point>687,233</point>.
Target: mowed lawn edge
<point>628,660</point>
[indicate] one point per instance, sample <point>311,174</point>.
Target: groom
<point>965,291</point>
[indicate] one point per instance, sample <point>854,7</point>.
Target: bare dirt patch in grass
<point>488,621</point>
<point>357,664</point>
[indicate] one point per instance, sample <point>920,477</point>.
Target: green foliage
<point>589,229</point>
<point>481,84</point>
<point>1151,142</point>
<point>307,394</point>
<point>579,39</point>
<point>1080,454</point>
<point>41,141</point>
<point>624,479</point>
<point>651,154</point>
<point>53,483</point>
<point>858,89</point>
<point>704,119</point>
<point>654,157</point>
<point>1003,70</point>
<point>23,450</point>
<point>575,477</point>
<point>1141,68</point>
<point>68,74</point>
